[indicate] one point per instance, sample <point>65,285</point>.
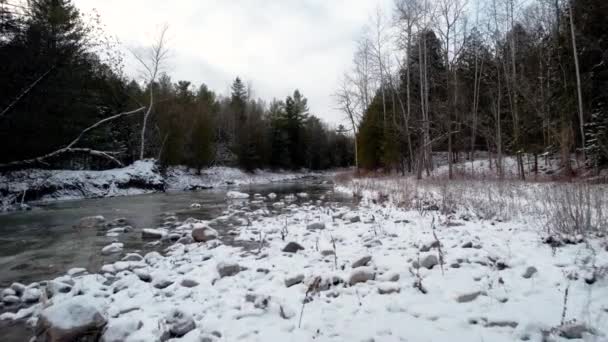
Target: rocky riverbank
<point>20,187</point>
<point>334,273</point>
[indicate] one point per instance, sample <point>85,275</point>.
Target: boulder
<point>54,287</point>
<point>293,280</point>
<point>31,295</point>
<point>388,288</point>
<point>361,275</point>
<point>467,245</point>
<point>574,330</point>
<point>228,269</point>
<point>133,257</point>
<point>530,271</point>
<point>74,319</point>
<point>428,261</point>
<point>90,222</point>
<point>119,329</point>
<point>468,297</point>
<point>18,288</point>
<point>112,248</point>
<point>293,247</point>
<point>10,300</point>
<point>143,275</point>
<point>187,282</point>
<point>162,283</point>
<point>316,226</point>
<point>362,261</point>
<point>204,233</point>
<point>149,233</point>
<point>180,323</point>
<point>236,195</point>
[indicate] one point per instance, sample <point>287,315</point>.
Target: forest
<point>63,75</point>
<point>524,79</point>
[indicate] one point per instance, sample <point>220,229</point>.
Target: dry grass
<point>555,207</point>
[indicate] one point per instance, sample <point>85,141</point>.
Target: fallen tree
<point>70,148</point>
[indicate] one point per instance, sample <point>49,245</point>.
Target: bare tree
<point>348,103</point>
<point>450,13</point>
<point>152,60</point>
<point>579,91</point>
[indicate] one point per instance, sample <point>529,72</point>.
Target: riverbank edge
<point>20,189</point>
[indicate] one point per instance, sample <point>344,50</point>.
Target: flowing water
<point>43,243</point>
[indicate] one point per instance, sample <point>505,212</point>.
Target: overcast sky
<point>277,45</point>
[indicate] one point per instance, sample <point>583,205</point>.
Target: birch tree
<point>152,61</point>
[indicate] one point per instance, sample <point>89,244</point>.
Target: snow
<point>242,294</point>
<point>139,178</point>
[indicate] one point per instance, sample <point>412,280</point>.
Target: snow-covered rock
<point>292,247</point>
<point>90,222</point>
<point>316,226</point>
<point>293,280</point>
<point>112,248</point>
<point>236,195</point>
<point>204,233</point>
<point>363,261</point>
<point>150,233</point>
<point>361,275</point>
<point>71,320</point>
<point>228,269</point>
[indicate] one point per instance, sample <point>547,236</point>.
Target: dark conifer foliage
<point>57,79</point>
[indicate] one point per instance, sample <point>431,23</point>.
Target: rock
<point>133,257</point>
<point>54,287</point>
<point>236,195</point>
<point>388,288</point>
<point>143,275</point>
<point>203,233</point>
<point>427,247</point>
<point>390,276</point>
<point>112,248</point>
<point>293,280</point>
<point>180,323</point>
<point>293,247</point>
<point>78,271</point>
<point>186,240</point>
<point>272,195</point>
<point>18,288</point>
<point>361,275</point>
<point>189,282</point>
<point>152,257</point>
<point>149,233</point>
<point>530,271</point>
<point>574,330</point>
<point>428,261</point>
<point>469,297</point>
<point>8,292</point>
<point>278,205</point>
<point>467,245</point>
<point>352,218</point>
<point>119,329</point>
<point>74,319</point>
<point>10,299</point>
<point>227,269</point>
<point>316,226</point>
<point>327,252</point>
<point>31,295</point>
<point>302,195</point>
<point>90,222</point>
<point>162,283</point>
<point>362,261</point>
<point>195,205</point>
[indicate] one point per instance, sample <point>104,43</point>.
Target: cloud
<point>277,45</point>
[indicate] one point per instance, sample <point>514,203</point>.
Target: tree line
<point>67,103</point>
<point>510,77</point>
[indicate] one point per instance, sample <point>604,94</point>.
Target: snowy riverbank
<point>140,178</point>
<point>373,273</point>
